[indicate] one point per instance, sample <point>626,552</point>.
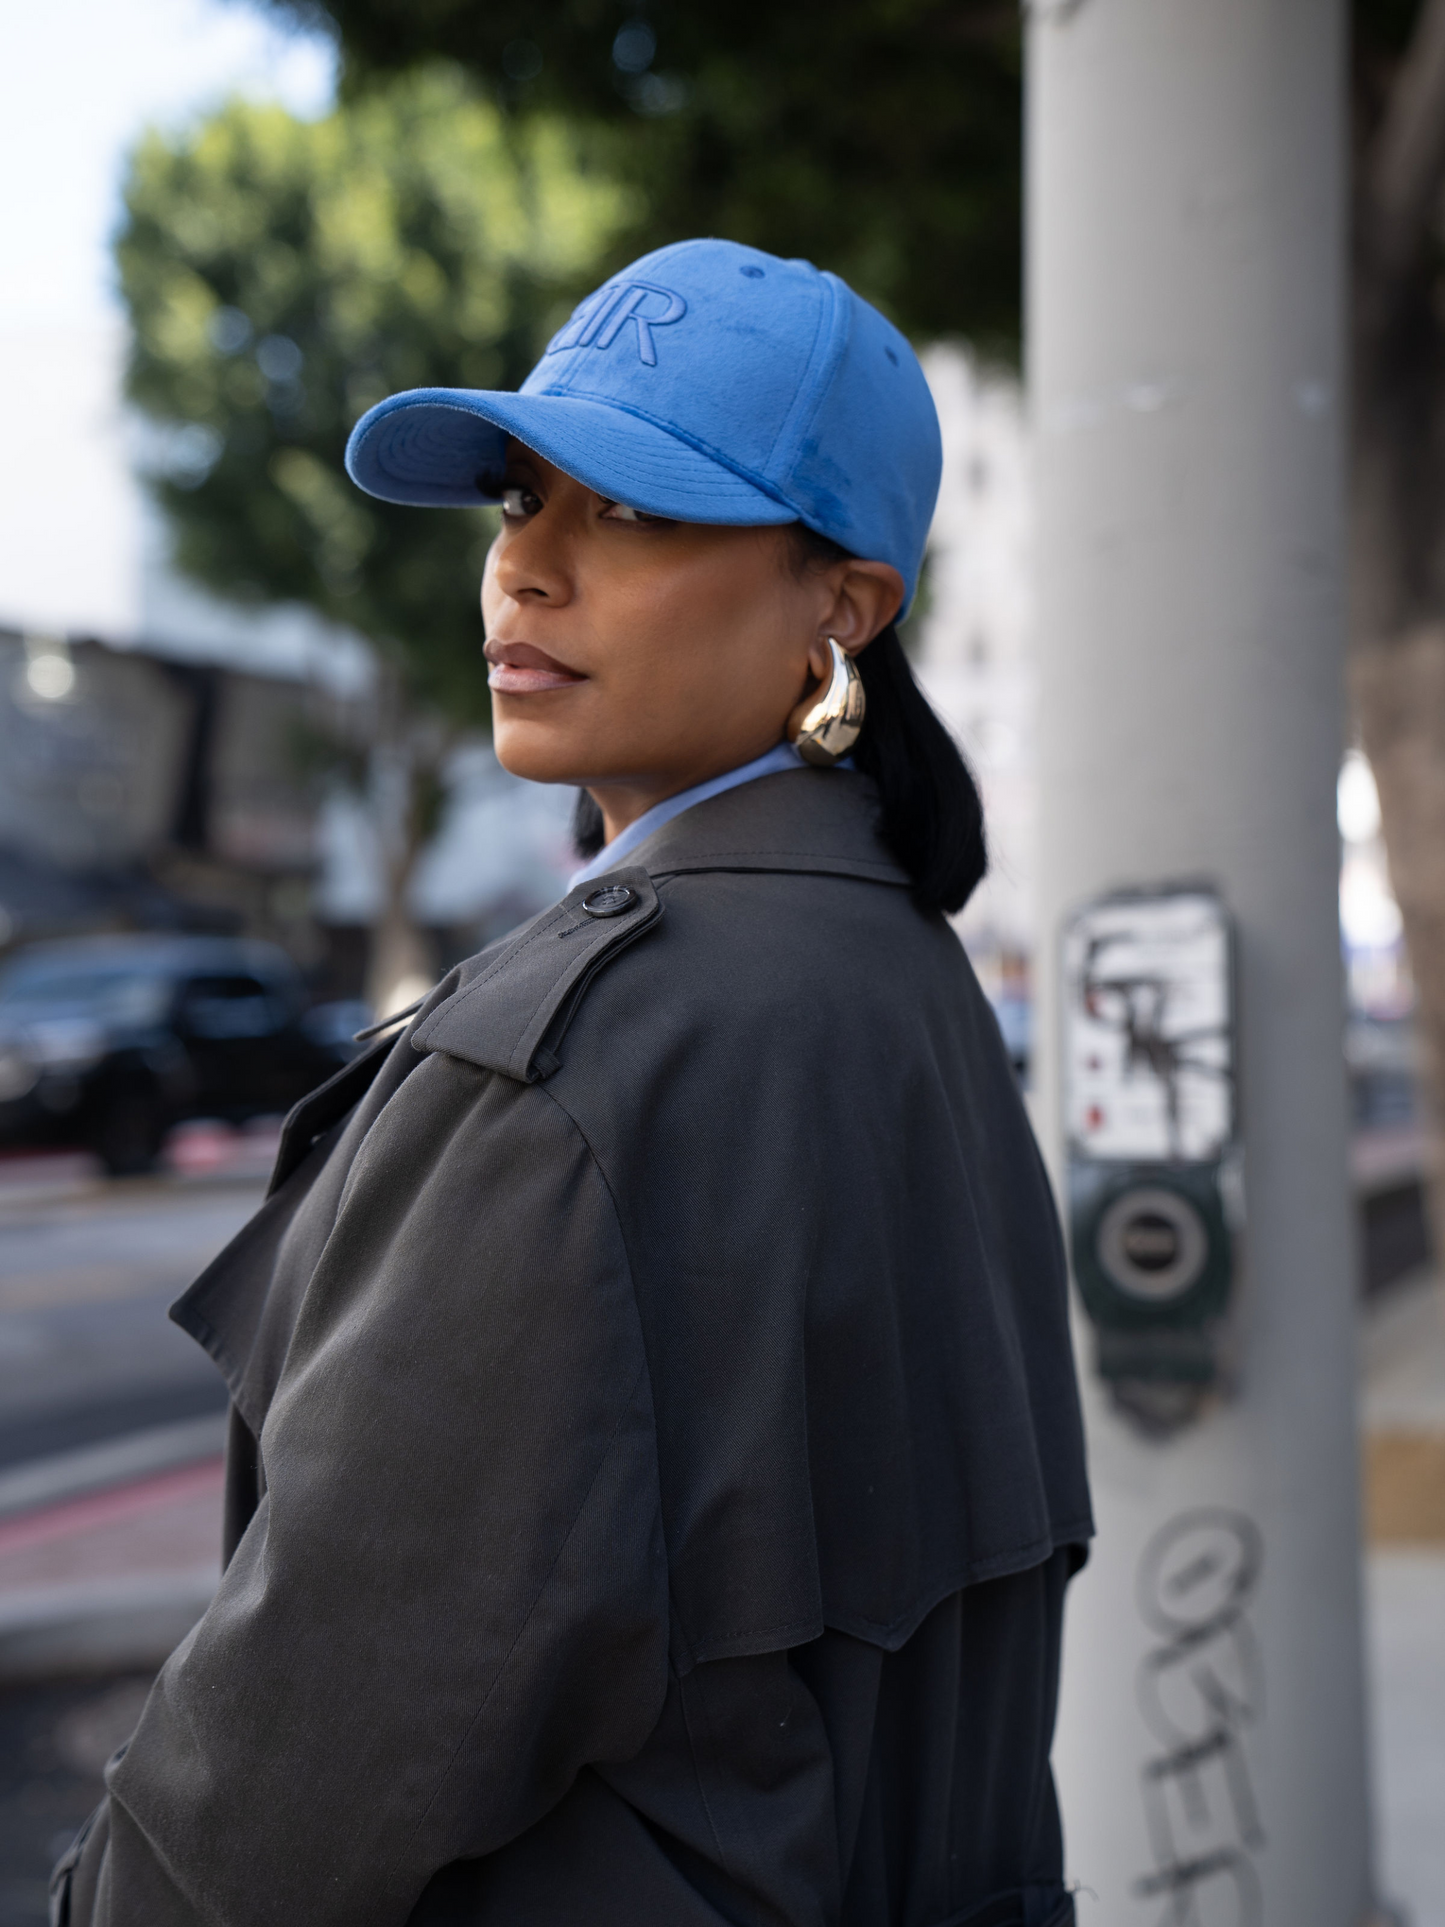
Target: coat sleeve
<point>453,1595</point>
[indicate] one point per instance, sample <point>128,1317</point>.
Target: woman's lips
<point>513,680</point>
<point>519,669</point>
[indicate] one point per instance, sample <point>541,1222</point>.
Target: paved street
<point>109,1485</point>
<point>1403,1415</point>
<point>86,1350</point>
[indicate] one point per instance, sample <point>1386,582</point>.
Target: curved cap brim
<point>445,448</point>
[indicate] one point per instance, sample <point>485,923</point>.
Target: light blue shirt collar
<point>626,841</point>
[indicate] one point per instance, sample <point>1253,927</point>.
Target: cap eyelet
<point>612,901</point>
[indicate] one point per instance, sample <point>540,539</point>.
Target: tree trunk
<point>400,967</point>
<point>1398,689</point>
<point>1397,673</point>
<point>408,796</point>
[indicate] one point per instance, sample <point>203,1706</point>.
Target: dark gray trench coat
<point>656,1459</point>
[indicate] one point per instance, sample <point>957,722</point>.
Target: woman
<point>656,1464</point>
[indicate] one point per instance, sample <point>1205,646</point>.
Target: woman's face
<point>637,656</point>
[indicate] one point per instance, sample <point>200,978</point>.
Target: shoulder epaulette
<point>512,1015</point>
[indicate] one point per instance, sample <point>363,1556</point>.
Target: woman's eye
<point>620,512</point>
<point>518,503</point>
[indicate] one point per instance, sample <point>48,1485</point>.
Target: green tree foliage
<point>282,275</point>
<point>880,138</point>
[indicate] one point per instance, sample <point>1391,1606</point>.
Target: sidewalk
<point>1403,1415</point>
<point>109,1555</point>
<point>203,1150</point>
<point>1405,1644</point>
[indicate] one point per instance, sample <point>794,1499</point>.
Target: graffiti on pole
<point>1200,1690</point>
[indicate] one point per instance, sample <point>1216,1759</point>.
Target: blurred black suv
<point>109,1041</point>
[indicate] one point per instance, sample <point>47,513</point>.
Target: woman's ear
<point>820,662</point>
<point>868,595</point>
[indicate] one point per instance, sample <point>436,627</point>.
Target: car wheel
<point>128,1128</point>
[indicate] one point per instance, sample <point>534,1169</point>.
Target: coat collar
<point>822,821</point>
<point>511,1006</point>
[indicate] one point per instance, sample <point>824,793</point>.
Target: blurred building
<point>1391,1149</point>
<point>139,791</point>
<point>158,746</point>
<point>1376,969</point>
<point>975,654</point>
<point>148,773</point>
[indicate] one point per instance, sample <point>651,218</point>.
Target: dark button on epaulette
<point>609,902</point>
<point>513,1014</point>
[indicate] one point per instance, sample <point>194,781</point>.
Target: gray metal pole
<point>1185,265</point>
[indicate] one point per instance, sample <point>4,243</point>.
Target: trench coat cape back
<point>680,1284</point>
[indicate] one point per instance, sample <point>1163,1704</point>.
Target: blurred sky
<point>81,549</point>
<point>79,80</point>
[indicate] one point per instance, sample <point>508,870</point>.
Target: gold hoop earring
<point>827,725</point>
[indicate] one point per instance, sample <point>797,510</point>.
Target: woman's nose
<point>531,563</point>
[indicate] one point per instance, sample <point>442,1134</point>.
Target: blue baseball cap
<point>707,382</point>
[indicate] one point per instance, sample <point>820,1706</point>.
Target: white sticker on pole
<point>1149,1029</point>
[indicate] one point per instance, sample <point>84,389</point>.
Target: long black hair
<point>930,814</point>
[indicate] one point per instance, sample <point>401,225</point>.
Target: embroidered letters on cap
<point>602,316</point>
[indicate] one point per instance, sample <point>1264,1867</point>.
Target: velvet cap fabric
<point>708,382</point>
